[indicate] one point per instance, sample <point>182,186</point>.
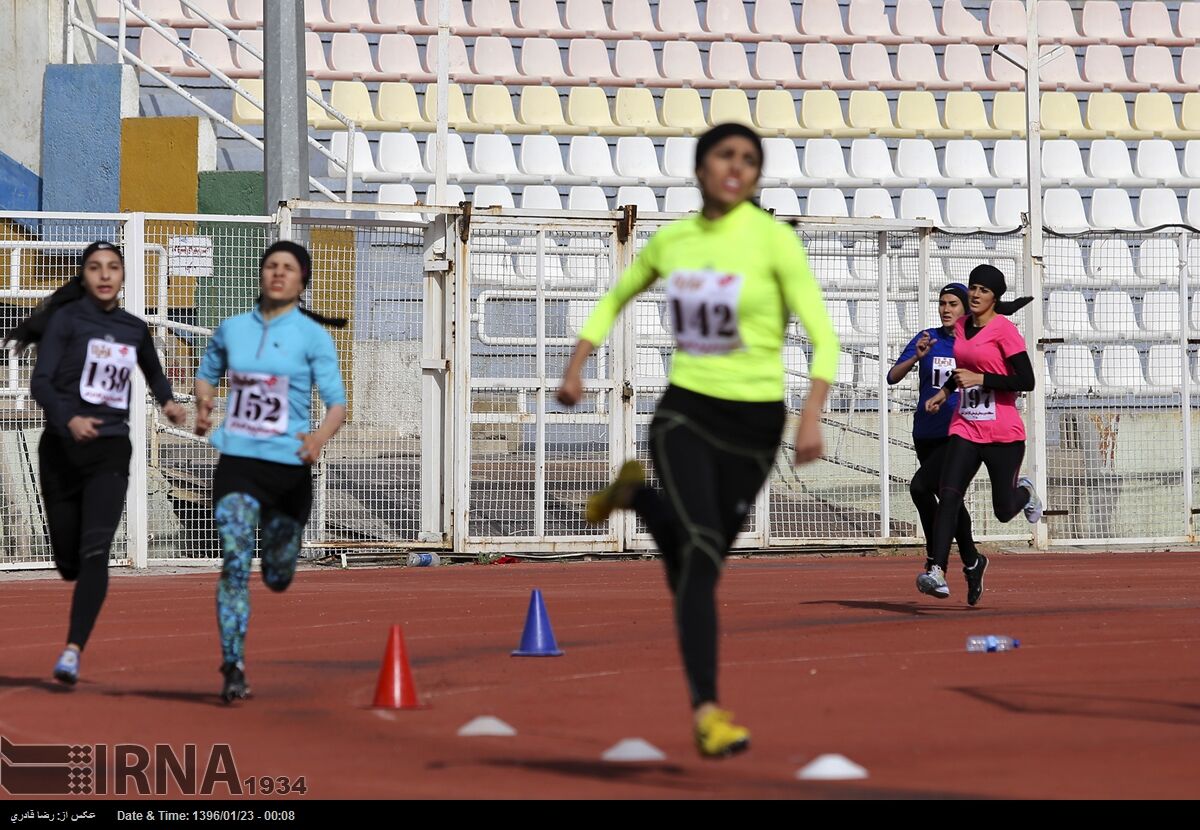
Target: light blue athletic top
<point>261,420</point>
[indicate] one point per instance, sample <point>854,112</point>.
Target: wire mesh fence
<point>1118,326</point>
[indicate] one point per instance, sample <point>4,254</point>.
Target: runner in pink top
<point>993,368</point>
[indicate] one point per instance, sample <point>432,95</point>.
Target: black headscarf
<point>991,278</point>
<point>31,330</point>
<point>305,259</point>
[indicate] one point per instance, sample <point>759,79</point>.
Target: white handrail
<point>123,53</point>
<point>196,102</point>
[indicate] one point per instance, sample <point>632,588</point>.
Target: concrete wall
<point>161,162</point>
<point>33,36</point>
<point>233,284</point>
<point>26,48</point>
<point>81,135</point>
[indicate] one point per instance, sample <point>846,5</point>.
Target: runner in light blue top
<point>273,356</point>
<point>273,366</point>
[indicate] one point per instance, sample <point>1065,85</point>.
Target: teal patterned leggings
<point>237,517</point>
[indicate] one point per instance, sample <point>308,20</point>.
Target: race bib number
<point>257,406</point>
<point>977,404</point>
<point>106,373</point>
<point>704,309</point>
<point>943,368</point>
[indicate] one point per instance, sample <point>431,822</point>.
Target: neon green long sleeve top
<point>746,274</point>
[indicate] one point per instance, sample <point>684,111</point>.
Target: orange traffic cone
<point>396,689</point>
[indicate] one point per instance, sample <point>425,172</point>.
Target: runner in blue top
<point>932,351</point>
<point>273,355</point>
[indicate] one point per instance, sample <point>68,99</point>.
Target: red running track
<point>818,655</point>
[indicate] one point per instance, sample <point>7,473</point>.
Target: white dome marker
<point>633,749</point>
<point>831,767</point>
<point>486,726</point>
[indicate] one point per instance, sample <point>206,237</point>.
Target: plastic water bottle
<point>990,642</point>
<point>423,560</point>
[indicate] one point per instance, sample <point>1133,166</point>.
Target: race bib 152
<point>257,406</point>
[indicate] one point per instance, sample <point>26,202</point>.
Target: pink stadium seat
<point>460,64</point>
<point>822,19</point>
<point>728,66</point>
<point>868,20</point>
<point>678,18</point>
<point>587,17</point>
<point>156,50</point>
<point>587,60</point>
<point>430,10</point>
<point>962,64</point>
<point>216,9</point>
<point>632,18</point>
<point>314,17</point>
<point>494,60</point>
<point>166,12</point>
<point>634,61</point>
<point>727,18</point>
<point>821,63</point>
<point>541,60</point>
<point>1150,21</point>
<point>213,46</point>
<point>400,16</point>
<point>1003,71</point>
<point>1104,65</point>
<point>915,21</point>
<point>314,56</point>
<point>776,61</point>
<point>870,63</point>
<point>1154,67</point>
<point>494,16</point>
<point>1188,22</point>
<point>540,16</point>
<point>774,18</point>
<point>350,58</point>
<point>1102,22</point>
<point>681,61</point>
<point>345,15</point>
<point>917,67</point>
<point>398,59</point>
<point>248,13</point>
<point>1189,68</point>
<point>959,24</point>
<point>1060,69</point>
<point>1056,23</point>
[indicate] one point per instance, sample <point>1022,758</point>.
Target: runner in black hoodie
<point>87,350</point>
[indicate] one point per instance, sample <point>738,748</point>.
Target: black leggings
<point>712,457</point>
<point>923,488</point>
<point>963,457</point>
<point>83,487</point>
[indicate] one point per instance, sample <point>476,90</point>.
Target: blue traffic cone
<point>537,640</point>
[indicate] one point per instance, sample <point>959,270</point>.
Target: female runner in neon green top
<point>733,276</point>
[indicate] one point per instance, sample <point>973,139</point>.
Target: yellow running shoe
<point>718,737</point>
<point>617,495</point>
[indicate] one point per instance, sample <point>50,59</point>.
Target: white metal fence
<point>463,320</point>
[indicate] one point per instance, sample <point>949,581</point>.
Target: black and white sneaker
<point>975,579</point>
<point>235,683</point>
<point>933,582</point>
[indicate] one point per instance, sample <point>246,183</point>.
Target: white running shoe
<point>1034,509</point>
<point>933,582</point>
